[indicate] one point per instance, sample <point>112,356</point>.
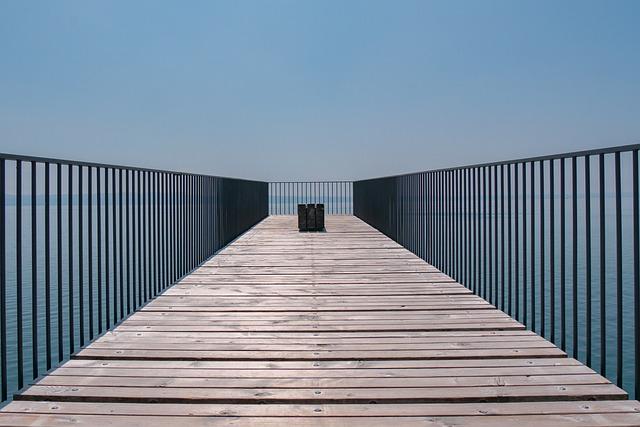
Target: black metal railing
<point>337,196</point>
<point>551,240</point>
<point>83,245</point>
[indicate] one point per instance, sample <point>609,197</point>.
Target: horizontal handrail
<point>51,160</point>
<point>565,155</point>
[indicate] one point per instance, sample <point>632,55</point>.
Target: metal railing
<point>285,196</point>
<point>83,245</point>
<point>553,241</point>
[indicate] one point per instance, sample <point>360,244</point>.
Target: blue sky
<point>316,89</point>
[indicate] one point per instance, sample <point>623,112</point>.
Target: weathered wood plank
<point>496,393</point>
<point>565,420</point>
<point>323,410</point>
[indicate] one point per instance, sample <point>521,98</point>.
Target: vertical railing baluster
<point>107,282</point>
<point>90,248</point>
<point>99,203</point>
<point>524,245</point>
<point>489,236</point>
<point>190,236</point>
<point>453,214</point>
<point>438,184</point>
<point>59,259</point>
<point>603,278</point>
<point>542,253</point>
<point>120,247</point>
<point>456,223</point>
<point>509,243</point>
<point>183,219</point>
<point>3,283</point>
<point>34,271</point>
<point>147,235</point>
<point>563,264</point>
<point>168,229</point>
<point>144,243</point>
<point>486,279</point>
<point>417,216</point>
<point>502,240</point>
<point>462,230</point>
<point>552,252</point>
<point>478,230</point>
<point>574,254</point>
<point>80,260</point>
<point>196,221</point>
<point>114,245</point>
<point>158,200</point>
<point>495,236</point>
<point>154,233</point>
<point>470,221</point>
<point>516,243</point>
<point>70,293</point>
<point>171,229</point>
<point>619,282</point>
<point>47,260</point>
<point>174,227</point>
<point>423,206</point>
<point>449,216</point>
<point>587,242</point>
<point>340,200</point>
<point>19,317</point>
<point>532,254</point>
<point>165,264</point>
<point>165,231</point>
<point>636,275</point>
<point>137,242</point>
<point>128,239</point>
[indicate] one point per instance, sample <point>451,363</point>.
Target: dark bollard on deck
<point>320,217</point>
<point>311,217</point>
<point>302,217</point>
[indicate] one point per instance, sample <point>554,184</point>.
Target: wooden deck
<point>343,328</point>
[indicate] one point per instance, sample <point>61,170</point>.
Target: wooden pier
<point>343,328</point>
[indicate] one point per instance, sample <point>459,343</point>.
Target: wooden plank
<point>163,371</point>
<point>328,383</point>
<point>318,354</point>
<point>338,365</point>
<point>496,393</point>
<point>565,420</point>
<point>324,410</point>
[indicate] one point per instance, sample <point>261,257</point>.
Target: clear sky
<point>316,89</point>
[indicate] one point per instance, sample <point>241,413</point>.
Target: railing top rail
<point>15,157</point>
<point>567,155</point>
